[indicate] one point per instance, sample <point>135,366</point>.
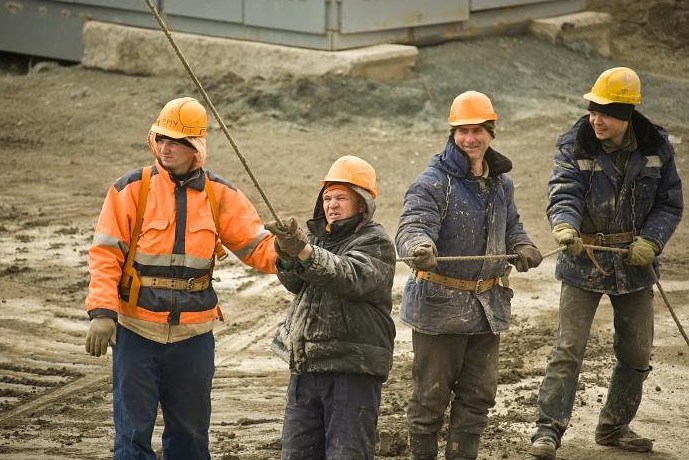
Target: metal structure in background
<point>53,28</point>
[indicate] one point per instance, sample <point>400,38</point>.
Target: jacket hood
<point>318,223</point>
<point>454,161</point>
<point>199,144</point>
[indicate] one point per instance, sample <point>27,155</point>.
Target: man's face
<point>341,203</point>
<point>474,140</point>
<point>607,127</point>
<point>175,156</point>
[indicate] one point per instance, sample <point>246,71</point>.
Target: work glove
<point>290,238</point>
<point>424,257</point>
<point>642,252</point>
<point>529,257</point>
<point>568,236</point>
<point>101,333</point>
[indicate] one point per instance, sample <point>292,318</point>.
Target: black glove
<point>529,257</point>
<point>290,238</point>
<point>424,257</point>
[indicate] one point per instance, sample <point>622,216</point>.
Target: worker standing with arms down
<point>151,293</point>
<point>338,335</point>
<point>461,205</point>
<point>614,184</point>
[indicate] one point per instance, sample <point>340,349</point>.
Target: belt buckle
<point>600,238</point>
<point>190,284</point>
<point>478,286</point>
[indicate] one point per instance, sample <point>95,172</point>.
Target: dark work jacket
<point>583,192</point>
<point>340,318</point>
<point>444,205</point>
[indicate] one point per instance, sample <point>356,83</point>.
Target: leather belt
<point>478,286</point>
<point>177,284</point>
<point>602,239</point>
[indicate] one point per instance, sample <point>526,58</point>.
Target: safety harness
<point>131,280</point>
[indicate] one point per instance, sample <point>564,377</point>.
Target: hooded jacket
<point>446,206</point>
<point>340,318</point>
<point>586,192</point>
<point>177,240</point>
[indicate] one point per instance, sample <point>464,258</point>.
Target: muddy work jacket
<point>177,241</point>
<point>461,217</point>
<point>589,193</point>
<point>340,318</point>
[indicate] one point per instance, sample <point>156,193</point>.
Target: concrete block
<point>587,29</point>
<point>138,51</point>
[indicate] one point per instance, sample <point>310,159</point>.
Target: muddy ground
<point>68,133</point>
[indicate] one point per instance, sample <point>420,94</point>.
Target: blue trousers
<point>633,320</point>
<point>331,416</point>
<point>175,375</point>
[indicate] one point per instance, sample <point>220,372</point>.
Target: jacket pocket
<point>201,238</point>
<point>156,236</point>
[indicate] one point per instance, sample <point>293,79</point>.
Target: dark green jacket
<point>340,318</point>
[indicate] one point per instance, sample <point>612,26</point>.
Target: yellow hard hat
<point>616,85</point>
<point>471,108</point>
<point>353,170</point>
<point>182,117</point>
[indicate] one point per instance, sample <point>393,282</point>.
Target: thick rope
<point>210,105</point>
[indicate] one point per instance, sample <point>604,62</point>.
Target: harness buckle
<point>190,284</point>
<point>600,238</point>
<point>477,288</point>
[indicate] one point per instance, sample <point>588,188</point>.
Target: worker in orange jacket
<point>151,295</point>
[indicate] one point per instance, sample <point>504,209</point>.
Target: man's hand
<point>424,257</point>
<point>290,238</point>
<point>101,333</point>
<point>568,236</point>
<point>642,252</point>
<point>529,257</point>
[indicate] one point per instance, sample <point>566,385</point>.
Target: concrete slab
<point>138,51</point>
<point>587,29</point>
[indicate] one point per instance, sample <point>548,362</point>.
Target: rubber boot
<point>462,445</point>
<point>423,446</point>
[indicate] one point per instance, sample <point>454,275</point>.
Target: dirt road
<point>69,132</point>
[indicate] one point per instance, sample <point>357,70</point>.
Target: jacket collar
<point>454,161</point>
<point>195,180</point>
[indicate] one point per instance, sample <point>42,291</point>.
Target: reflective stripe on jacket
<point>584,191</point>
<point>444,206</point>
<point>177,240</point>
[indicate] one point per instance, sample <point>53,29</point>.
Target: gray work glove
<point>529,257</point>
<point>642,252</point>
<point>101,333</point>
<point>290,238</point>
<point>568,236</point>
<point>424,257</point>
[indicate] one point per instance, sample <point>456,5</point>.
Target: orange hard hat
<point>353,170</point>
<point>471,108</point>
<point>182,117</point>
<point>616,85</point>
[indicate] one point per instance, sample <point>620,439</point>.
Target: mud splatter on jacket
<point>583,192</point>
<point>447,207</point>
<point>340,318</point>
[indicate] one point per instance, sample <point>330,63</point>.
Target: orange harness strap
<point>130,277</point>
<point>220,251</point>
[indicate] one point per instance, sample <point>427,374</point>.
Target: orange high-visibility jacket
<point>177,240</point>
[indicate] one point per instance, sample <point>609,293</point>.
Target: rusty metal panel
<point>371,15</point>
<point>493,4</point>
<point>132,5</point>
<point>216,10</point>
<point>298,15</point>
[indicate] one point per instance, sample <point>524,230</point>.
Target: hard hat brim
<point>471,121</point>
<point>167,132</point>
<point>597,99</point>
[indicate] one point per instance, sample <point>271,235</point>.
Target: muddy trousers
<point>331,416</point>
<point>633,339</point>
<point>175,375</point>
<point>461,370</point>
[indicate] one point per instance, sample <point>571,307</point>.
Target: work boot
<point>423,446</point>
<point>625,439</point>
<point>543,448</point>
<point>461,445</point>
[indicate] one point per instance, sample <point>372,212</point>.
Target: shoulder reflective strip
<point>101,239</point>
<point>653,161</point>
<point>586,165</point>
<point>249,248</point>
<point>170,260</point>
